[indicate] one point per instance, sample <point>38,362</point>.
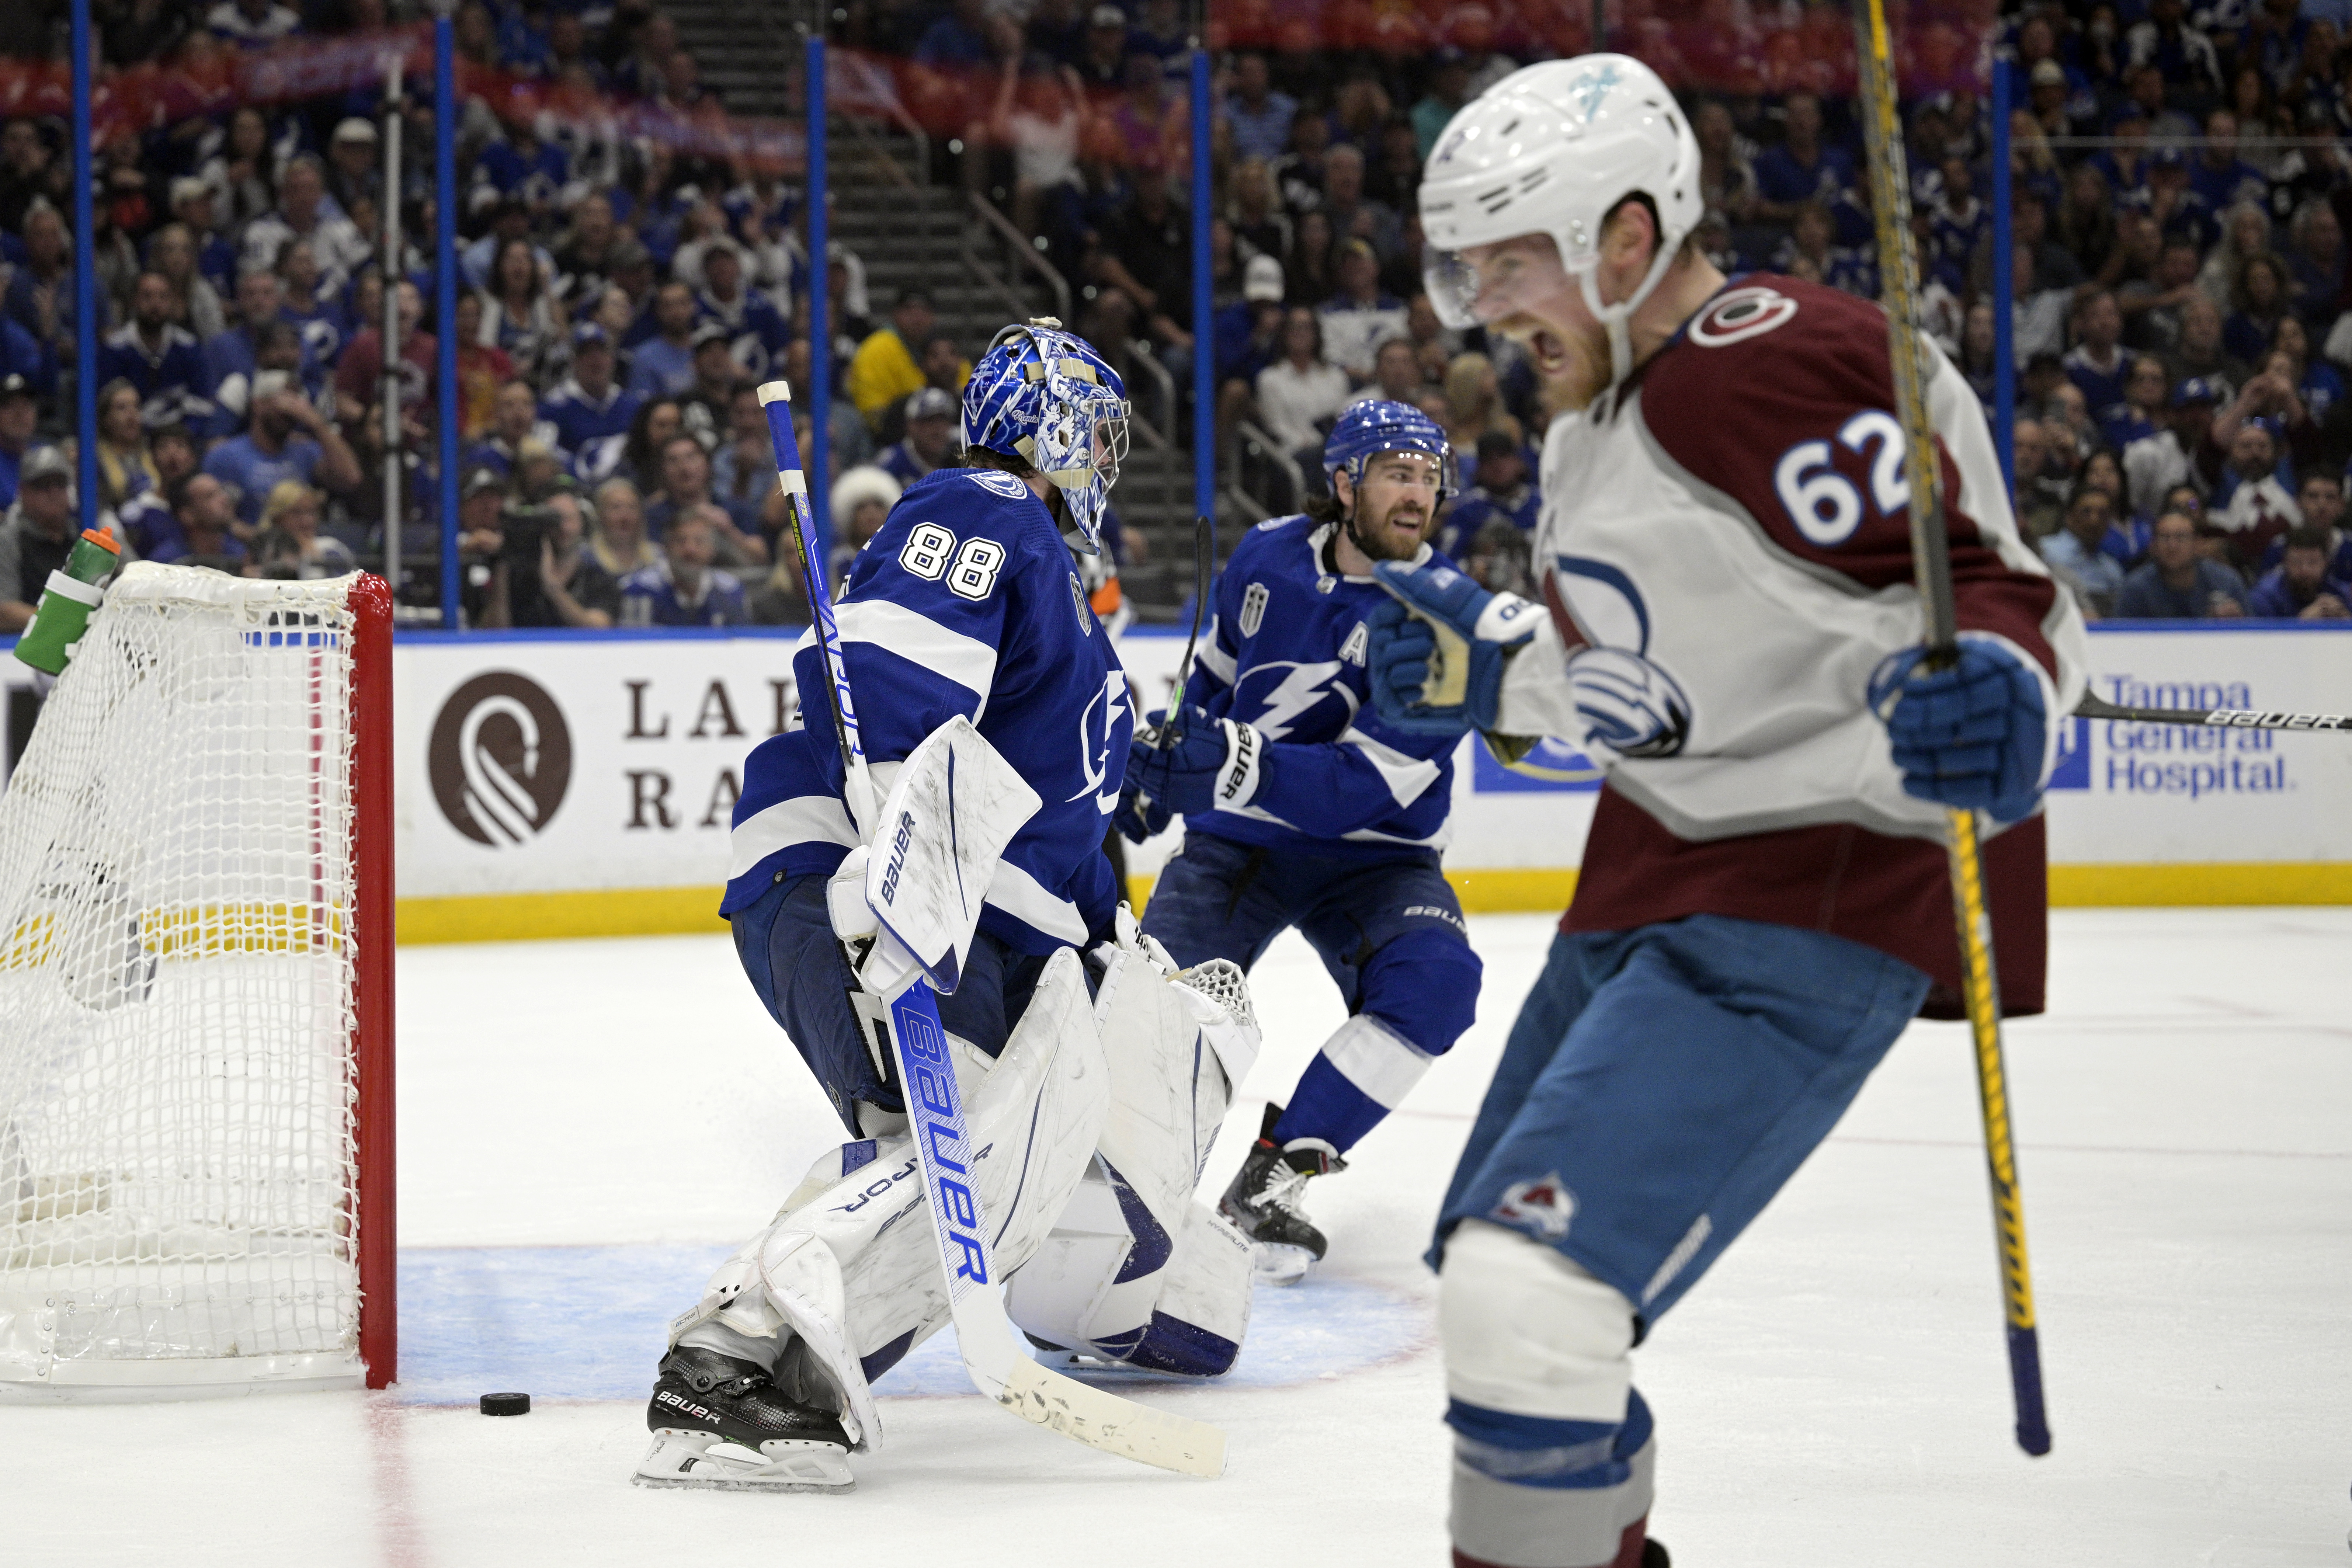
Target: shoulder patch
<point>1271,523</point>
<point>1740,314</point>
<point>996,481</point>
<point>1086,611</point>
<point>1254,598</point>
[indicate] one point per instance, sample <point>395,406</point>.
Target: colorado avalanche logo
<point>1543,1208</point>
<point>1254,598</point>
<point>1740,314</point>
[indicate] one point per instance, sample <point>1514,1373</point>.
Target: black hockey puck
<point>506,1405</point>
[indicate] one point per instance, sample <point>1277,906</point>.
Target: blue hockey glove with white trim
<point>1212,764</point>
<point>1972,734</point>
<point>1139,816</point>
<point>1437,651</point>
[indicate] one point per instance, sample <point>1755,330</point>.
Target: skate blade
<point>1278,1263</point>
<point>698,1461</point>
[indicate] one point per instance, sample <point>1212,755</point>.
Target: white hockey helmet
<point>1553,148</point>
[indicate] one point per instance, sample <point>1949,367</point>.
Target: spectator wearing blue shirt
<point>524,169</point>
<point>1505,491</point>
<point>2219,177</point>
<point>160,359</point>
<point>2302,586</point>
<point>756,330</point>
<point>2096,363</point>
<point>589,411</point>
<point>2076,552</point>
<point>20,415</point>
<point>147,519</point>
<point>1800,169</point>
<point>958,38</point>
<point>2142,411</point>
<point>514,420</point>
<point>252,24</point>
<point>929,441</point>
<point>2176,583</point>
<point>204,523</point>
<point>1259,115</point>
<point>23,354</point>
<point>235,352</point>
<point>684,589</point>
<point>192,203</point>
<point>271,450</point>
<point>663,363</point>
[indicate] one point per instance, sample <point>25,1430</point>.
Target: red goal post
<point>196,1093</point>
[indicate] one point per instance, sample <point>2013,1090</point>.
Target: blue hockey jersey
<point>1287,655</point>
<point>965,602</point>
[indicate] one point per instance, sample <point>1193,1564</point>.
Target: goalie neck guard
<point>1045,395</point>
<point>1553,149</point>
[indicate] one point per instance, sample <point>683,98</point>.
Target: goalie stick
<point>993,1353</point>
<point>1890,189</point>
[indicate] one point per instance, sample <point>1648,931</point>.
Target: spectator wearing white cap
<point>353,174</point>
<point>861,502</point>
<point>194,205</point>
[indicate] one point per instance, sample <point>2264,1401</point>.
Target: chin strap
<point>1617,319</point>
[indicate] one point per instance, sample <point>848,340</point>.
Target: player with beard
<point>1302,808</point>
<point>1730,626</point>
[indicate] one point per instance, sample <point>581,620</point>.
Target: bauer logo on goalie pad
<point>1543,1208</point>
<point>500,759</point>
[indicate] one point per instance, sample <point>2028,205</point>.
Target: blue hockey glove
<point>1971,735</point>
<point>1435,663</point>
<point>1139,816</point>
<point>1212,764</point>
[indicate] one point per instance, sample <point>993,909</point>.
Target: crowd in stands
<point>2180,209</point>
<point>623,289</point>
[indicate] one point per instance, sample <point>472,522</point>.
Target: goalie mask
<point>1045,394</point>
<point>1553,149</point>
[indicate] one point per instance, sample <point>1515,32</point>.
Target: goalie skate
<point>721,1424</point>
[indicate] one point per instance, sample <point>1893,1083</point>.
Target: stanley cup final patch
<point>1254,598</point>
<point>1543,1206</point>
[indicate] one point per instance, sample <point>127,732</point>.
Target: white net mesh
<point>176,985</point>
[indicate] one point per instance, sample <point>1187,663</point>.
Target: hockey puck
<point>506,1405</point>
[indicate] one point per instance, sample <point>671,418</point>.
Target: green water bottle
<point>71,594</point>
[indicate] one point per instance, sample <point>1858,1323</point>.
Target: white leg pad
<point>1528,1331</point>
<point>846,1269</point>
<point>1134,1269</point>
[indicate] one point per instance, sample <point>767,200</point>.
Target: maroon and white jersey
<point>1732,524</point>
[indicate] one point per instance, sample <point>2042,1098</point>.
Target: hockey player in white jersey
<point>1302,807</point>
<point>1728,624</point>
<point>1086,1084</point>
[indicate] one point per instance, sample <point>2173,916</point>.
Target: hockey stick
<point>1890,189</point>
<point>1165,736</point>
<point>2222,717</point>
<point>994,1355</point>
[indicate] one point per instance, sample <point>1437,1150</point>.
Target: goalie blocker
<point>1091,1088</point>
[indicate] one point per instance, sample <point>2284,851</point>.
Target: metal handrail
<point>1253,510</point>
<point>1139,352</point>
<point>898,116</point>
<point>1250,430</point>
<point>1020,246</point>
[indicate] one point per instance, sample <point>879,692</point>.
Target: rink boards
<point>579,784</point>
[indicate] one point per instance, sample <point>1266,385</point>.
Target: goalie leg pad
<point>1134,1269</point>
<point>846,1279</point>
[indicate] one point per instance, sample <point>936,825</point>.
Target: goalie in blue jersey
<point>1089,1087</point>
<point>1303,808</point>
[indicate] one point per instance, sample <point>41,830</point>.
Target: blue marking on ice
<point>588,1323</point>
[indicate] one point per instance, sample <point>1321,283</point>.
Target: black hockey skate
<point>722,1423</point>
<point>1264,1203</point>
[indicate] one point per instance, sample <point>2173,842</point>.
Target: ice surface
<point>586,1127</point>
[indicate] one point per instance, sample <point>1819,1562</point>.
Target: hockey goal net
<point>195,998</point>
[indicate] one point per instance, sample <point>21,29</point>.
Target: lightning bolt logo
<point>1297,695</point>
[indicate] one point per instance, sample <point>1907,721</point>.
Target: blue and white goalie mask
<point>1045,394</point>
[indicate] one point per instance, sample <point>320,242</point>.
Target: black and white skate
<point>1265,1203</point>
<point>720,1423</point>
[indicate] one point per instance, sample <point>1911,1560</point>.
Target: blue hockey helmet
<point>1045,394</point>
<point>1367,429</point>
